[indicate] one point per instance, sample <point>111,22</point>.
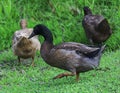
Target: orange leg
<point>67,74</point>
<point>18,59</point>
<point>32,62</point>
<point>63,75</point>
<point>77,76</point>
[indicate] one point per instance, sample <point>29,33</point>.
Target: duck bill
<point>32,34</point>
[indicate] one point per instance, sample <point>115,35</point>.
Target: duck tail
<point>100,54</point>
<point>96,53</point>
<point>101,49</point>
<point>104,27</point>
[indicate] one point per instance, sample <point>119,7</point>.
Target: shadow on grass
<point>5,64</point>
<point>25,63</point>
<point>9,63</point>
<point>58,82</point>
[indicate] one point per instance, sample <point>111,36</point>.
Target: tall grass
<point>62,17</point>
<point>6,4</point>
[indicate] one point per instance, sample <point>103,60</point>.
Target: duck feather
<point>96,27</point>
<point>70,56</point>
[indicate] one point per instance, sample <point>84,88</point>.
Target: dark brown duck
<point>96,27</point>
<point>70,56</point>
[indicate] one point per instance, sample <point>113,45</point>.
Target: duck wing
<point>82,48</point>
<point>93,19</point>
<point>103,26</point>
<point>91,22</point>
<point>89,54</point>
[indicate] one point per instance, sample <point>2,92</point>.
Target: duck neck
<point>47,44</point>
<point>48,37</point>
<point>88,12</point>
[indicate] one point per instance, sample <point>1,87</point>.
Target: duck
<point>22,46</point>
<point>96,27</point>
<point>70,56</point>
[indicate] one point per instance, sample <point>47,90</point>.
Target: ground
<point>23,78</point>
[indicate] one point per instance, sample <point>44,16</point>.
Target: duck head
<point>87,10</point>
<point>23,23</point>
<point>42,30</point>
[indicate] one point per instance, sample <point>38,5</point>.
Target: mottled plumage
<point>22,46</point>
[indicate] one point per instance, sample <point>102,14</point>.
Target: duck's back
<point>71,56</point>
<point>24,48</point>
<point>97,28</point>
<point>25,33</point>
<point>91,22</point>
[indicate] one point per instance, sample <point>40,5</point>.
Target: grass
<point>23,78</point>
<point>63,18</point>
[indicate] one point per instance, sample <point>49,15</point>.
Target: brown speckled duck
<point>22,46</point>
<point>70,56</point>
<point>96,27</point>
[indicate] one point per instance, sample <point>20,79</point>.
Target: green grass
<point>23,78</point>
<point>65,24</point>
<point>65,21</point>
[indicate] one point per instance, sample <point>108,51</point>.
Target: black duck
<point>70,56</point>
<point>96,27</point>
